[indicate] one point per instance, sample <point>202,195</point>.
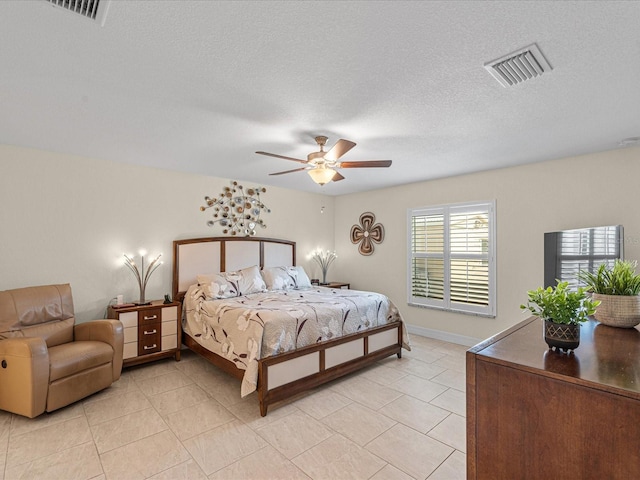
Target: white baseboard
<point>444,336</point>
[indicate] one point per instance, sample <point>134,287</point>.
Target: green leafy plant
<point>561,305</point>
<point>621,279</point>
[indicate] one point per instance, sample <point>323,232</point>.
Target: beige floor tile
<point>45,447</point>
<point>383,375</point>
<point>266,463</point>
<point>188,470</point>
<point>452,400</point>
<point>126,429</point>
<point>359,423</point>
<point>164,383</point>
<point>48,440</point>
<point>144,458</point>
<point>20,424</point>
<point>421,369</point>
<point>192,365</point>
<point>295,433</point>
<point>178,399</point>
<point>76,463</point>
<point>123,385</point>
<point>338,457</point>
<point>415,413</point>
<point>452,348</point>
<point>198,418</point>
<point>453,379</point>
<point>389,472</point>
<point>427,355</point>
<point>248,411</point>
<point>367,392</point>
<point>453,468</point>
<point>410,451</point>
<point>222,446</point>
<point>321,403</point>
<point>116,406</point>
<point>451,431</point>
<point>454,361</point>
<point>417,387</point>
<point>225,389</point>
<point>153,369</point>
<point>426,342</point>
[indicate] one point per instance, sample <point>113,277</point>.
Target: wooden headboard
<point>195,256</point>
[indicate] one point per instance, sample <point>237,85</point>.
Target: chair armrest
<point>24,375</point>
<point>107,331</point>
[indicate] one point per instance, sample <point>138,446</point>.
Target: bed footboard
<point>282,376</point>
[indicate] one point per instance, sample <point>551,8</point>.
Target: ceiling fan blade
<point>366,164</point>
<point>290,171</point>
<point>281,156</point>
<point>337,177</point>
<point>341,147</point>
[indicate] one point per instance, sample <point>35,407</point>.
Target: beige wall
<point>69,219</point>
<point>590,190</point>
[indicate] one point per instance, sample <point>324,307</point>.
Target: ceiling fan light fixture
<point>321,175</point>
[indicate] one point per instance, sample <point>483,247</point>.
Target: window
<point>569,251</point>
<point>452,257</point>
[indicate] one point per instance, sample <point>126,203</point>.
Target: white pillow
<point>285,278</point>
<point>232,284</point>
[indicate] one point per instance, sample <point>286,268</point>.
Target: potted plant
<point>563,311</point>
<point>618,289</point>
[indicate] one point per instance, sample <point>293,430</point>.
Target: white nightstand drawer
<point>129,319</point>
<point>169,313</point>
<point>130,350</point>
<point>169,342</point>
<point>130,334</point>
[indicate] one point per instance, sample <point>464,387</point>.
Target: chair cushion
<point>70,358</point>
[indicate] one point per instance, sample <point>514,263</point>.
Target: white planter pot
<point>618,310</point>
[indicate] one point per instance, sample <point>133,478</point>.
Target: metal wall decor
<point>237,210</point>
<point>367,233</point>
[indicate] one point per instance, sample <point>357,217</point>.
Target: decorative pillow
<point>232,284</point>
<point>285,278</point>
<point>303,278</point>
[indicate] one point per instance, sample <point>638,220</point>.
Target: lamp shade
<point>321,175</point>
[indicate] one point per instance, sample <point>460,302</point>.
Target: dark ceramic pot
<point>561,336</point>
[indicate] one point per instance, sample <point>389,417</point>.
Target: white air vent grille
<point>92,9</point>
<point>518,66</point>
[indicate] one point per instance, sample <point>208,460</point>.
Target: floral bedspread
<point>247,328</point>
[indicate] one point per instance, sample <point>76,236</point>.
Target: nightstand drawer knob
<point>151,332</point>
<point>151,317</point>
<point>150,347</point>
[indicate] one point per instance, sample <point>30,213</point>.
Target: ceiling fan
<point>321,165</point>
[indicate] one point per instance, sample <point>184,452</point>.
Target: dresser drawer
<point>149,338</point>
<point>149,316</point>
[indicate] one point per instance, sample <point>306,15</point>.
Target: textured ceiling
<point>200,86</point>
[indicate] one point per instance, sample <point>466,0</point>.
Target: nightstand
<point>151,332</point>
<point>346,286</point>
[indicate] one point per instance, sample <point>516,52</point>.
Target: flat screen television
<point>569,251</point>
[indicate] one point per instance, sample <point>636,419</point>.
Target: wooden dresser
<point>151,331</point>
<point>533,413</point>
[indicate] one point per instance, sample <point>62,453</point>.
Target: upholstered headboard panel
<point>195,256</point>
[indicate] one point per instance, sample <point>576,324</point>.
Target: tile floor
<point>399,419</point>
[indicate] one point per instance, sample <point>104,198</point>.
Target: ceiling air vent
<point>95,10</point>
<point>518,66</point>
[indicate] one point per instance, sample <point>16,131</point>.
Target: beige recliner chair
<point>46,361</point>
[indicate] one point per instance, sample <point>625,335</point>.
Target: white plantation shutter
<point>452,257</point>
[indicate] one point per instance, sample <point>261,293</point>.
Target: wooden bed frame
<point>287,374</point>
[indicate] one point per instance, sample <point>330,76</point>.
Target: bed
<point>249,310</point>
